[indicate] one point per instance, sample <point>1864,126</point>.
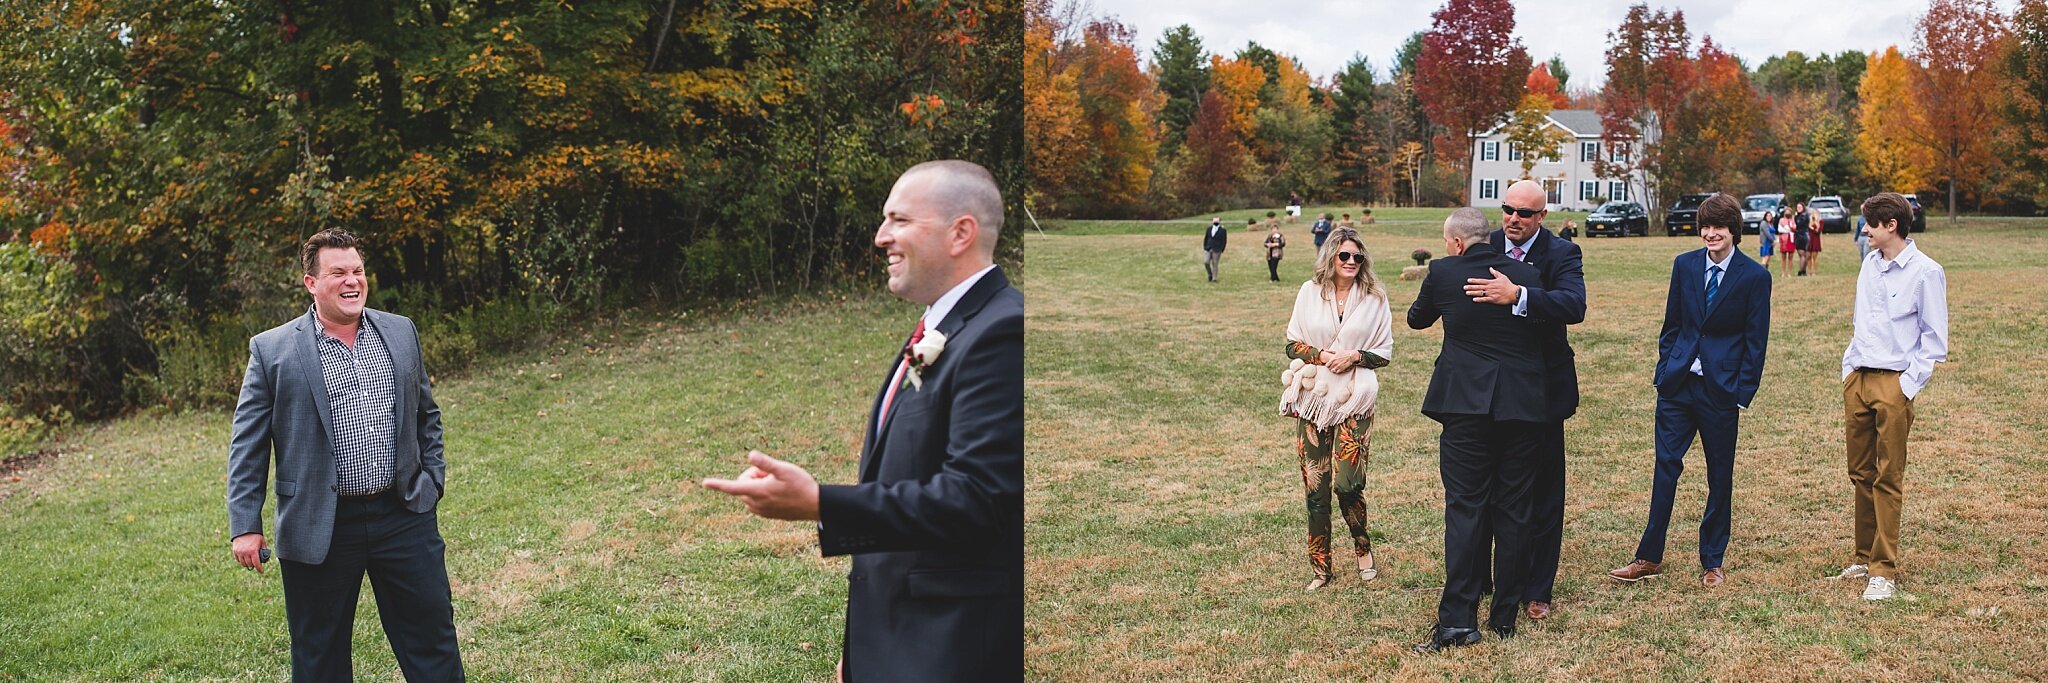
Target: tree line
<point>1191,130</point>
<point>509,163</point>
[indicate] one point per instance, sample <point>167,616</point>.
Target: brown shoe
<point>1637,571</point>
<point>1539,610</point>
<point>1713,577</point>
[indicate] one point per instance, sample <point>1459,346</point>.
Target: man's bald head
<point>1527,195</point>
<point>963,188</point>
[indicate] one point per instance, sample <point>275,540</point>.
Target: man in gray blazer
<point>339,400</point>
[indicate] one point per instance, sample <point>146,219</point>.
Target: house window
<point>1514,152</point>
<point>1617,190</point>
<point>1489,189</point>
<point>1589,151</point>
<point>1588,189</point>
<point>1618,153</point>
<point>1489,150</point>
<point>1553,190</point>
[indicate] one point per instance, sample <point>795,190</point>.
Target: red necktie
<point>896,378</point>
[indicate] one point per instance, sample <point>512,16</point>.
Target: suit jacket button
<point>334,487</point>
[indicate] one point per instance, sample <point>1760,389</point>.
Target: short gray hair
<point>966,188</point>
<point>1467,224</point>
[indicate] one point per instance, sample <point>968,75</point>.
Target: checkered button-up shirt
<point>364,397</point>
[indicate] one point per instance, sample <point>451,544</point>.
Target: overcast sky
<point>1324,34</point>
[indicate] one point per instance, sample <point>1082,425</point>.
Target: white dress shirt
<point>1901,318</point>
<point>1707,276</point>
<point>1521,293</point>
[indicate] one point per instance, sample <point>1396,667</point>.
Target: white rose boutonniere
<point>922,353</point>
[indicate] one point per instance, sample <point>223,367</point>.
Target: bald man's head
<point>1523,209</point>
<point>963,188</point>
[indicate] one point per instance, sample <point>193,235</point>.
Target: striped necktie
<point>1713,283</point>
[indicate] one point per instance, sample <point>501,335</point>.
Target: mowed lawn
<point>580,545</point>
<point>1166,536</point>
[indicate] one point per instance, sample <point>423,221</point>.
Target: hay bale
<point>1414,272</point>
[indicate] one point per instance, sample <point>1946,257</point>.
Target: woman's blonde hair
<point>1326,263</point>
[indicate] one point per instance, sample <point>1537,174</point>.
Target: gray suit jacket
<point>283,415</point>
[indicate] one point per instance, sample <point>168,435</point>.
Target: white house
<point>1567,173</point>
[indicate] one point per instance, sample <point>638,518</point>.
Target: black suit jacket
<point>936,524</point>
<point>1215,238</point>
<point>1486,367</point>
<point>1728,337</point>
<point>1559,299</point>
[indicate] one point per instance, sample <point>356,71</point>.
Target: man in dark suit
<point>936,524</point>
<point>1558,300</point>
<point>1212,245</point>
<point>1710,358</point>
<point>1488,392</point>
<point>339,400</point>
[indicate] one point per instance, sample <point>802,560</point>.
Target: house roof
<point>1585,122</point>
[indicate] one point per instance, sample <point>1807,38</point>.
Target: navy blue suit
<point>1727,336</point>
<point>1559,301</point>
<point>936,525</point>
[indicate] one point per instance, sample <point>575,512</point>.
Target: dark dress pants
<point>402,552</point>
<point>1487,475</point>
<point>1547,541</point>
<point>1691,410</point>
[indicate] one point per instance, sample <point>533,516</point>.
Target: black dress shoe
<point>1502,632</point>
<point>1444,638</point>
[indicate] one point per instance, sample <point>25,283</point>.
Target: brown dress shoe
<point>1637,571</point>
<point>1713,577</point>
<point>1539,610</point>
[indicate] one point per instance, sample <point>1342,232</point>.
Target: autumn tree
<point>1541,83</point>
<point>1890,160</point>
<point>1052,112</point>
<point>1529,129</point>
<point>1471,71</point>
<point>1216,152</point>
<point>1116,104</point>
<point>1956,43</point>
<point>1649,73</point>
<point>2025,105</point>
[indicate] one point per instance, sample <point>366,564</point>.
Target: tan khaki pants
<point>1876,416</point>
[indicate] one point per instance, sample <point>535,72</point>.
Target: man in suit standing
<point>1710,358</point>
<point>936,524</point>
<point>1488,392</point>
<point>1558,300</point>
<point>339,400</point>
<point>1212,245</point>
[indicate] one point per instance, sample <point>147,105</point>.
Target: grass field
<point>1166,529</point>
<point>580,545</point>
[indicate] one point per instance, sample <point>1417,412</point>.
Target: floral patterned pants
<point>1340,454</point>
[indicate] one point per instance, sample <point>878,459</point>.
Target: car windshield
<point>1763,204</point>
<point>1826,204</point>
<point>1613,207</point>
<point>1691,201</point>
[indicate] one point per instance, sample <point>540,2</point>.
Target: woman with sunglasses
<point>1340,332</point>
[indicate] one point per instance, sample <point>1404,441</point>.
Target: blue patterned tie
<point>1713,283</point>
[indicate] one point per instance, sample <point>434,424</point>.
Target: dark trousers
<point>1689,411</point>
<point>1273,268</point>
<point>402,552</point>
<point>1547,511</point>
<point>1487,475</point>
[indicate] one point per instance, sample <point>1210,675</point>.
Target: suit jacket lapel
<point>1728,279</point>
<point>309,362</point>
<point>969,304</point>
<point>399,345</point>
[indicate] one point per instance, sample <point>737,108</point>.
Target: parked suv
<point>1618,219</point>
<point>1683,218</point>
<point>1833,217</point>
<point>1755,206</point>
<point>1919,214</point>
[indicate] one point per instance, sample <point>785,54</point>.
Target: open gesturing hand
<point>772,489</point>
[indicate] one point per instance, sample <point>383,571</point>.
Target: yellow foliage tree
<point>1886,114</point>
<point>1238,82</point>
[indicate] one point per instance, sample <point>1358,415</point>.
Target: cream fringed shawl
<point>1314,393</point>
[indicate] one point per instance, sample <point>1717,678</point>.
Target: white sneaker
<point>1880,588</point>
<point>1854,571</point>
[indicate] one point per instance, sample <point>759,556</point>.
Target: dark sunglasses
<point>1525,213</point>
<point>1351,256</point>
